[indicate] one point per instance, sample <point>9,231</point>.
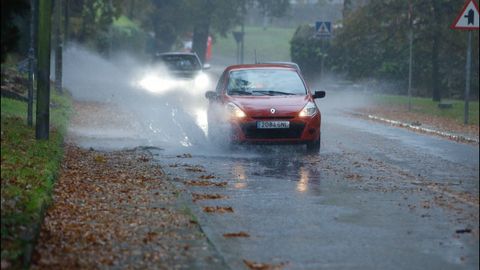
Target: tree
<point>219,15</point>
<point>373,43</point>
<point>10,31</point>
<point>90,21</point>
<point>223,15</point>
<point>169,19</point>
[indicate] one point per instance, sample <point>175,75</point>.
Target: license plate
<point>273,124</point>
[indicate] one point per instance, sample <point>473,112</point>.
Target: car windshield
<point>261,82</point>
<point>180,62</point>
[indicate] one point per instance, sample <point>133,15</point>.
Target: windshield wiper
<point>272,92</point>
<point>239,92</point>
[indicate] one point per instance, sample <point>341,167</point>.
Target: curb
<point>455,137</point>
<point>185,197</point>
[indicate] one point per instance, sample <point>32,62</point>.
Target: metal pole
<point>110,32</point>
<point>58,47</point>
<point>66,23</point>
<point>410,72</point>
<point>242,44</point>
<point>322,59</point>
<point>238,52</point>
<point>410,24</point>
<point>31,63</point>
<point>467,79</point>
<point>43,82</point>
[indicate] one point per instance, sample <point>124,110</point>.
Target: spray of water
<point>126,103</point>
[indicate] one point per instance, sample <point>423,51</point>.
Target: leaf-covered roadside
<point>117,209</point>
<point>28,171</point>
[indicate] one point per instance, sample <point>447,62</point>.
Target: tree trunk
<point>164,37</point>
<point>347,8</point>
<point>200,38</point>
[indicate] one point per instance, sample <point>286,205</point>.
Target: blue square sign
<point>323,29</point>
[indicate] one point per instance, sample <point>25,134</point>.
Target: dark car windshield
<point>262,82</point>
<point>180,62</point>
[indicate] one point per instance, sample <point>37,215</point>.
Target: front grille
<point>273,118</point>
<point>294,132</point>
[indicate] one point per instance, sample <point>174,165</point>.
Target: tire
<point>313,147</point>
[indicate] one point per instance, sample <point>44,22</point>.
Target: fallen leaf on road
<point>463,231</point>
<point>195,169</point>
<point>100,159</point>
<point>149,237</point>
<point>264,266</point>
<point>218,209</point>
<point>144,158</point>
<point>239,234</point>
<point>354,176</point>
<point>198,197</point>
<point>205,183</point>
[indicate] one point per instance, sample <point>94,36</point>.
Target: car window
<point>265,82</point>
<point>221,82</point>
<point>181,62</point>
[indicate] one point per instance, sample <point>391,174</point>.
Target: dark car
<point>181,64</point>
<point>184,66</point>
<point>264,103</point>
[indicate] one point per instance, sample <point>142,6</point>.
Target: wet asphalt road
<point>376,197</point>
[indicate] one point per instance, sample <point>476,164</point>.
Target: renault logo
<point>272,111</point>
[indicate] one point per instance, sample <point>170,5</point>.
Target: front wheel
<point>313,147</point>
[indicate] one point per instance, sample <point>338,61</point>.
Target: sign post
<point>467,19</point>
<point>323,29</point>
<point>410,36</point>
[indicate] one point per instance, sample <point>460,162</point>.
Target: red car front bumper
<point>301,130</point>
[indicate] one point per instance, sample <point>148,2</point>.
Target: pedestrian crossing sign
<point>323,29</point>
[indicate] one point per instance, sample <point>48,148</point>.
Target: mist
<point>120,104</point>
<point>114,110</point>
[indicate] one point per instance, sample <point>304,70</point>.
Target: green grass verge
<point>272,44</point>
<point>28,170</point>
<point>428,107</point>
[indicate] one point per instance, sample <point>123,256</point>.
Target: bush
<point>127,36</point>
<point>306,51</point>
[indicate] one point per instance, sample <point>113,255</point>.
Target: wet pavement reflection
<point>347,207</point>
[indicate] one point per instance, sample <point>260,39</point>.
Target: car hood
<point>188,74</point>
<point>260,106</point>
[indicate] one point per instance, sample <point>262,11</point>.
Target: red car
<point>264,103</point>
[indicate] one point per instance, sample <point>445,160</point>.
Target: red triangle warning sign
<point>468,19</point>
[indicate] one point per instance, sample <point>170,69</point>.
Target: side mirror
<point>206,66</point>
<point>319,94</point>
<point>211,95</point>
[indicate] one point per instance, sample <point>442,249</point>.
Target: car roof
<point>291,64</point>
<point>175,53</point>
<point>263,65</point>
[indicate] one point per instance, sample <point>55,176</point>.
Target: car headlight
<point>309,110</point>
<point>235,111</point>
<point>202,81</point>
